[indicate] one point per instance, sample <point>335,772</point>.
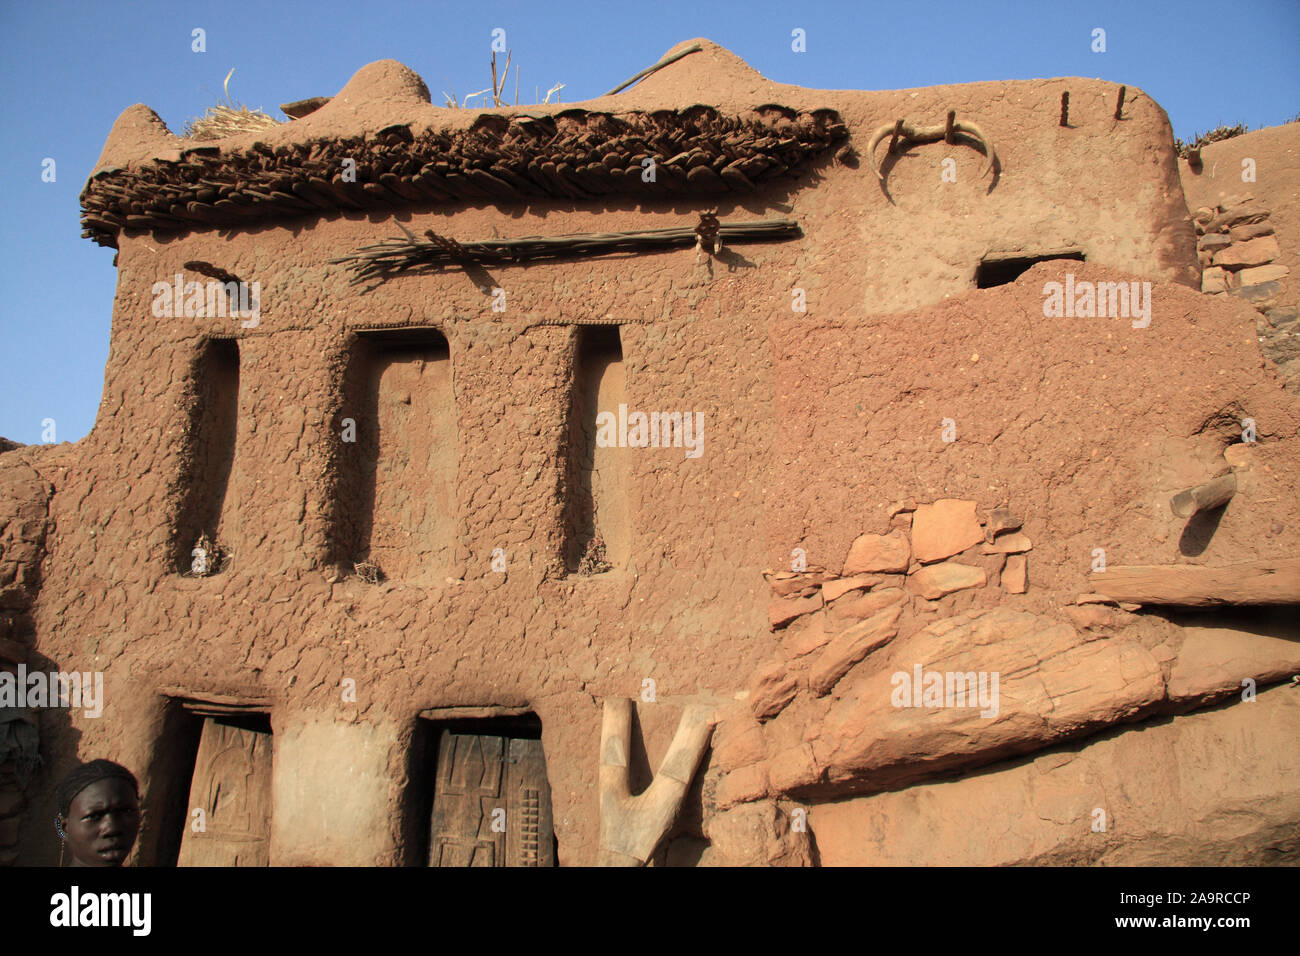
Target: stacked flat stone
<point>1238,250</point>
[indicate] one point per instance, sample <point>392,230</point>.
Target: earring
<point>63,839</point>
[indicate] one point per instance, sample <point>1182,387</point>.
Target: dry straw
<point>228,118</point>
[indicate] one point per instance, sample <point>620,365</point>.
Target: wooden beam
<point>1272,581</point>
<point>693,48</point>
<point>1212,494</point>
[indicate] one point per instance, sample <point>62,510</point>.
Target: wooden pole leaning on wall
<point>1204,497</point>
<point>693,48</point>
<point>1274,581</point>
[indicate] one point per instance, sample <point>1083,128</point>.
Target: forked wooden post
<point>631,827</point>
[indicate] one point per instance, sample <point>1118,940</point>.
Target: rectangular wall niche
<point>1002,268</point>
<point>230,784</point>
<point>597,536</point>
<point>490,800</point>
<point>208,457</point>
<point>398,479</point>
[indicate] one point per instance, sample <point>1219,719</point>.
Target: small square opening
<point>1002,269</point>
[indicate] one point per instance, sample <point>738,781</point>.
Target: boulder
<point>1008,544</point>
<point>1214,279</point>
<point>1015,576</point>
<point>1253,231</point>
<point>851,610</point>
<point>878,552</point>
<point>1216,657</point>
<point>1213,788</point>
<point>1253,252</point>
<point>1043,682</point>
<point>770,689</point>
<point>784,610</point>
<point>1097,617</point>
<point>934,581</point>
<point>793,585</point>
<point>832,590</point>
<point>805,636</point>
<point>1244,213</point>
<point>1262,274</point>
<point>738,742</point>
<point>1263,295</point>
<point>1001,519</point>
<point>947,527</point>
<point>851,647</point>
<point>743,784</point>
<point>759,834</point>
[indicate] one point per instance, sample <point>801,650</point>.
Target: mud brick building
<point>427,590</point>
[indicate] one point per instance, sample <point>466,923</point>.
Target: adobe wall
<point>814,424</point>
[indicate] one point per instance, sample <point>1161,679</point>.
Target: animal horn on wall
<point>880,133</point>
<point>631,827</point>
<point>930,134</point>
<point>972,130</point>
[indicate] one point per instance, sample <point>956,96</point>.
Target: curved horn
<point>973,130</point>
<point>876,137</point>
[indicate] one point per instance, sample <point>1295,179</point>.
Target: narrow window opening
<point>597,535</point>
<point>204,532</point>
<point>400,464</point>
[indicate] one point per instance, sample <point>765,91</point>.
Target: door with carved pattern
<point>491,803</point>
<point>232,786</point>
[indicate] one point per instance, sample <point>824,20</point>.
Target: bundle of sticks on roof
<point>572,155</point>
<point>395,256</point>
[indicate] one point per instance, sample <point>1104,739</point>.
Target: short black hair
<point>83,775</point>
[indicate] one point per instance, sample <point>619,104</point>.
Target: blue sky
<point>68,69</point>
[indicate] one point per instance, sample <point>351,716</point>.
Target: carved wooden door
<point>491,803</point>
<point>232,785</point>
